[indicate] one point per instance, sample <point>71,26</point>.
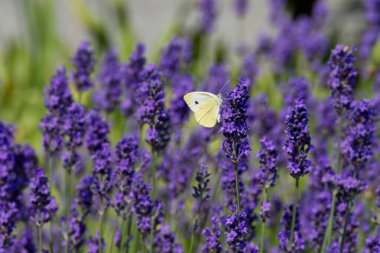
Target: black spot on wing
<point>196,102</point>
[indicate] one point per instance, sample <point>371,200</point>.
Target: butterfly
<point>206,107</point>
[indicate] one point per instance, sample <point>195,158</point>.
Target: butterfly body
<point>206,107</point>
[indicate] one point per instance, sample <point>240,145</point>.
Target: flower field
<point>100,153</point>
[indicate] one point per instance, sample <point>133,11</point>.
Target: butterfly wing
<point>207,113</point>
<point>195,99</point>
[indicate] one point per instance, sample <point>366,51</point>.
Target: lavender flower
<point>200,191</point>
<point>84,63</point>
<point>77,230</point>
<point>126,157</point>
<point>103,165</point>
<point>212,236</point>
<point>236,230</point>
<point>97,132</point>
<point>343,76</point>
<point>25,242</point>
<point>84,197</point>
<point>208,14</point>
<point>52,139</point>
<point>179,111</point>
<point>298,140</point>
<point>132,75</point>
<point>8,213</point>
<point>107,97</point>
<point>298,244</point>
<point>357,146</point>
<point>164,241</point>
<point>171,58</point>
<point>57,96</point>
<point>267,156</point>
<point>93,244</point>
<point>142,205</point>
<point>153,111</point>
<point>241,7</point>
<point>217,76</point>
<point>43,206</point>
<point>74,126</point>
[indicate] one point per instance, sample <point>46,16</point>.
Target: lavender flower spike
<point>84,64</point>
<point>343,76</point>
<point>298,142</point>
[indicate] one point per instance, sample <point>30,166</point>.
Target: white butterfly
<point>206,107</point>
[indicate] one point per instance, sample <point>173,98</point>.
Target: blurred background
<point>38,35</point>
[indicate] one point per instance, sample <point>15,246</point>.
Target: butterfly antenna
<point>220,91</point>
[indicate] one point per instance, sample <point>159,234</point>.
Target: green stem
<point>101,214</point>
<point>265,194</point>
<point>144,245</point>
<point>236,178</point>
<point>113,234</point>
<point>342,236</point>
<point>128,235</point>
<point>294,212</point>
<point>39,231</point>
<point>327,236</point>
<point>328,232</point>
<point>195,230</point>
<point>50,168</point>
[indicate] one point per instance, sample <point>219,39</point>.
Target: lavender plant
<point>115,167</point>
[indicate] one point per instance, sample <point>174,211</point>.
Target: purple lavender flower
<point>52,138</point>
<point>372,244</point>
<point>84,63</point>
<point>217,76</point>
<point>103,165</point>
<point>132,75</point>
<point>234,125</point>
<point>25,243</point>
<point>8,213</point>
<point>126,158</point>
<point>208,14</point>
<point>298,140</point>
<point>179,111</point>
<point>84,196</point>
<point>43,206</point>
<point>153,111</point>
<point>241,7</point>
<point>175,169</point>
<point>236,229</point>
<point>267,156</point>
<point>358,144</point>
<point>212,236</point>
<point>297,88</point>
<point>58,96</point>
<point>298,244</point>
<point>200,191</point>
<point>7,158</point>
<point>77,230</point>
<point>142,205</point>
<point>343,76</point>
<point>97,132</point>
<point>164,241</point>
<point>74,126</point>
<point>93,244</point>
<point>322,182</point>
<point>107,98</point>
<point>249,68</point>
<point>172,58</point>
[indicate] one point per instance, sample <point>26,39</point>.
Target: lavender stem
<point>294,212</point>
